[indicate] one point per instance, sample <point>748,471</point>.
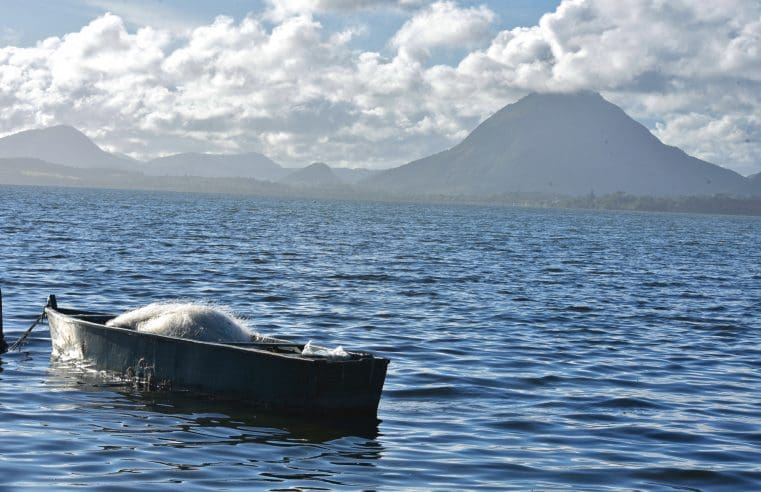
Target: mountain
<point>560,144</point>
<point>61,145</point>
<point>755,183</point>
<point>352,175</point>
<point>250,165</point>
<point>316,175</point>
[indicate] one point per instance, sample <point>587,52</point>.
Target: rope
<point>27,332</point>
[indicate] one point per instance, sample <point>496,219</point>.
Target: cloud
<point>444,24</point>
<point>146,13</point>
<point>279,10</point>
<point>9,36</point>
<point>298,91</point>
<point>734,137</point>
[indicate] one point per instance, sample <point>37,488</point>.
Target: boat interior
<point>270,344</point>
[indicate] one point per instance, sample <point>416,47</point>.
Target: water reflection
<point>214,437</point>
<point>204,410</point>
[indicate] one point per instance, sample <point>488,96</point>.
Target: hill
<point>316,175</point>
<point>61,145</point>
<point>560,144</point>
<point>30,171</point>
<point>26,171</point>
<point>755,182</point>
<point>352,175</point>
<point>249,165</point>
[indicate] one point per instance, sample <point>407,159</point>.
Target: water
<point>538,349</point>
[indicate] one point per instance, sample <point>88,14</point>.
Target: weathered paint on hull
<point>290,383</point>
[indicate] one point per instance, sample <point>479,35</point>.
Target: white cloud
<point>146,13</point>
<point>281,9</point>
<point>298,91</point>
<point>444,24</point>
<point>714,139</point>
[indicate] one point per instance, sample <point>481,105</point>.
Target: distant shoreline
<point>708,204</point>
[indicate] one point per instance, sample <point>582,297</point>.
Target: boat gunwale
<point>71,314</point>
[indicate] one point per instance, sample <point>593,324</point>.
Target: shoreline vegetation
<point>64,176</point>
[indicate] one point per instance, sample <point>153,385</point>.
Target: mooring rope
<point>18,342</point>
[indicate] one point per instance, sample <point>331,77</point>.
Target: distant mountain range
<point>67,146</point>
<point>561,144</point>
<point>554,145</point>
<point>250,165</point>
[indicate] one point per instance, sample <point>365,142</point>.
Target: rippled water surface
<point>535,349</point>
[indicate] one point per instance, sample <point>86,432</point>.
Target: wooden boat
<point>272,374</point>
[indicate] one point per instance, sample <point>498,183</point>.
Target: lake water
<point>530,349</point>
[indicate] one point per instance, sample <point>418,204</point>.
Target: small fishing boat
<point>269,373</point>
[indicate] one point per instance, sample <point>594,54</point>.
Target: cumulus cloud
<point>281,83</point>
<point>713,138</point>
<point>444,24</point>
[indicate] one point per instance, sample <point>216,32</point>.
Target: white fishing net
<point>187,320</point>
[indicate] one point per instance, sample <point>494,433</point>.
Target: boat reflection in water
<point>187,432</point>
<point>70,375</point>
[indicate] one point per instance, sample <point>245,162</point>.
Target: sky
<point>373,83</point>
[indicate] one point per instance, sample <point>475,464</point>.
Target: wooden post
<point>3,345</point>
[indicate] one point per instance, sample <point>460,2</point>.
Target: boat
<point>271,374</point>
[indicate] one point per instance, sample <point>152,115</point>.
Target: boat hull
<point>274,381</point>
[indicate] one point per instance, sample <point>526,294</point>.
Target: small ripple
<point>580,309</point>
<point>368,277</point>
<point>427,392</point>
<point>626,403</point>
<point>531,426</point>
<point>549,379</point>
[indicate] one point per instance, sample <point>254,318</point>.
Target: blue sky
<point>25,22</point>
<point>373,83</point>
